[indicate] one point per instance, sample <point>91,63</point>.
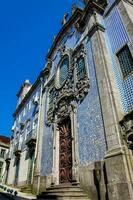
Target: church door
<point>65,151</point>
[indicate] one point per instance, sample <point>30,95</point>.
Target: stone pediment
<point>64,30</point>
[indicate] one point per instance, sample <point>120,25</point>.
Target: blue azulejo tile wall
<point>47,147</point>
<point>28,112</point>
<point>89,119</point>
<point>118,37</point>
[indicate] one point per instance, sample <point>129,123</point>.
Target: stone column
<point>38,182</point>
<point>55,168</point>
<point>75,154</point>
<point>118,175</point>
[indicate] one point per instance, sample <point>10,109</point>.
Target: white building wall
<point>23,170</point>
<point>2,159</point>
<point>11,174</point>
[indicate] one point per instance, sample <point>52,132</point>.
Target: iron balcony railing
<point>7,157</point>
<point>31,137</point>
<point>2,155</point>
<point>17,148</point>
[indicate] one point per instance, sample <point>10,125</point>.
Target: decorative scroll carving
<point>81,89</point>
<point>62,49</point>
<point>82,84</point>
<point>72,89</point>
<point>127,129</point>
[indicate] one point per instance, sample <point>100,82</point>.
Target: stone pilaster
<point>126,11</point>
<point>39,143</point>
<point>118,174</point>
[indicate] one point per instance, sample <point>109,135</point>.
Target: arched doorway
<point>65,151</point>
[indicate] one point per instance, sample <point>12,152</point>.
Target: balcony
<point>7,157</point>
<point>31,139</point>
<point>2,155</point>
<point>17,149</point>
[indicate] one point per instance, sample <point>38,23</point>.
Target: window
<point>35,124</point>
<point>125,60</point>
<point>64,67</point>
<point>2,153</point>
<point>80,68</point>
<point>1,166</point>
<point>23,112</point>
<point>19,118</point>
<point>51,98</point>
<point>28,127</point>
<point>30,103</point>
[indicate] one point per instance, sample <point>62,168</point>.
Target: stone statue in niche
<point>65,17</point>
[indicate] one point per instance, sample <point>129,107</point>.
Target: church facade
<point>74,125</point>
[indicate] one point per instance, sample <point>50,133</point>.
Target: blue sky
<point>26,32</point>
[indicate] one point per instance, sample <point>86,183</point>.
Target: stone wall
<point>11,173</point>
<point>23,169</point>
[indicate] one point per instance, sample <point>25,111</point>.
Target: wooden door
<point>65,151</point>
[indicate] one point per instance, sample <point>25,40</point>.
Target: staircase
<point>26,189</point>
<point>63,192</point>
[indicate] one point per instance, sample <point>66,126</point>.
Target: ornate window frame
<point>81,84</point>
<point>118,63</point>
<point>59,85</point>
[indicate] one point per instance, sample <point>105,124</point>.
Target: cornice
<point>129,2</point>
<point>29,93</point>
<point>4,145</point>
<point>78,13</point>
<point>91,5</point>
<point>95,28</point>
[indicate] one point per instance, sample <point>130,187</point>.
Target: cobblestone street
<point>2,197</point>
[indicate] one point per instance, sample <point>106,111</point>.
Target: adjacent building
<point>74,125</point>
<point>4,149</point>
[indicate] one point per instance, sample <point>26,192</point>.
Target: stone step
<point>65,198</point>
<point>63,192</point>
<point>26,190</point>
<point>63,188</point>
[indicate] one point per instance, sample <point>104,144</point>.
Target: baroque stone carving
<point>72,90</point>
<point>65,19</point>
<point>127,129</point>
<point>82,84</point>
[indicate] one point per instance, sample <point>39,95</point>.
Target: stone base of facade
<point>91,178</point>
<point>109,179</point>
<point>119,174</point>
<point>39,184</point>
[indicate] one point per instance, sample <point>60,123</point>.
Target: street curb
<point>11,197</point>
<point>7,195</point>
